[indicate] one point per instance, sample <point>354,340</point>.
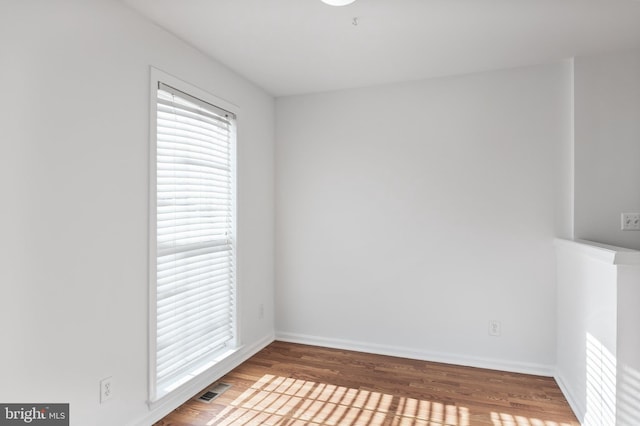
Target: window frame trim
<point>158,76</point>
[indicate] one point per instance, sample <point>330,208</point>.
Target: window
<point>192,243</point>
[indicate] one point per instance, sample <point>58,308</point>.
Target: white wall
<point>409,215</point>
<point>607,146</point>
<point>587,327</point>
<point>598,348</point>
<point>73,170</point>
<point>628,372</point>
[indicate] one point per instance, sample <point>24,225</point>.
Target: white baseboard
<point>403,352</point>
<point>161,408</point>
<point>578,408</point>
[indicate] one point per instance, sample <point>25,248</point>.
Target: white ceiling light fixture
<point>338,2</point>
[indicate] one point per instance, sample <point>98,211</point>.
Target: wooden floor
<point>290,384</point>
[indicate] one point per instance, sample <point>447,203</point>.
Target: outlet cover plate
<point>495,328</point>
<point>106,389</point>
<point>630,221</point>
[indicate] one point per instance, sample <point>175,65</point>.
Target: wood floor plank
<point>289,384</point>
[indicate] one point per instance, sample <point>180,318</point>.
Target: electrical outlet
<point>495,328</point>
<point>630,221</point>
<point>106,389</point>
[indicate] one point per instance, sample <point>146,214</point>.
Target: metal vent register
<point>214,392</point>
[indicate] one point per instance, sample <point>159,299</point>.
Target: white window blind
<point>194,243</point>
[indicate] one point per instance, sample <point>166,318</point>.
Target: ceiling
<point>301,46</point>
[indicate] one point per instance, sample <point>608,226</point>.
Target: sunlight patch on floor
<point>277,400</point>
<point>284,401</point>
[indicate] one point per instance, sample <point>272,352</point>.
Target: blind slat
<point>194,256</point>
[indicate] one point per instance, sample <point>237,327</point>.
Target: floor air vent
<point>214,392</point>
